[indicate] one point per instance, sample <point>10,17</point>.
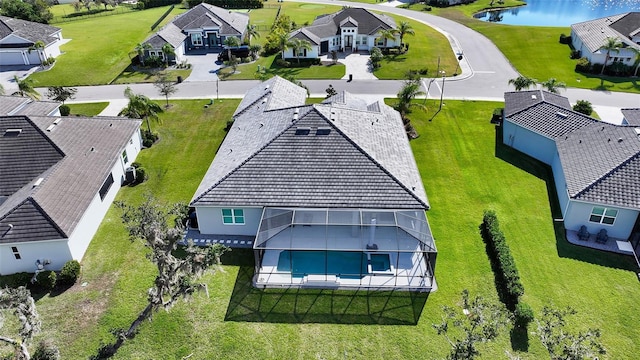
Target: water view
<point>559,12</point>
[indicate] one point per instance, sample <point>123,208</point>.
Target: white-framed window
<point>125,158</point>
<point>233,216</point>
<point>16,253</point>
<point>160,55</point>
<point>196,39</point>
<point>603,215</point>
<point>302,52</point>
<point>380,41</point>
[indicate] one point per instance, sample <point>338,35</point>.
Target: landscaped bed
<point>464,172</point>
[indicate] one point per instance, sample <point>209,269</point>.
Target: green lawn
<point>88,109</point>
<point>129,76</point>
<point>65,12</point>
<point>464,173</point>
<point>100,48</point>
<point>248,71</point>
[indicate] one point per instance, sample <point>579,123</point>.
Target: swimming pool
<point>340,263</point>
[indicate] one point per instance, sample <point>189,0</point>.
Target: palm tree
<point>388,34</point>
<point>140,107</point>
<point>254,50</point>
<point>522,82</point>
<point>25,88</point>
<point>38,46</point>
<point>404,28</point>
<point>409,91</point>
<point>252,31</point>
<point>229,42</point>
<point>167,50</point>
<point>636,61</point>
<point>140,48</point>
<point>298,45</point>
<point>553,86</point>
<point>611,44</point>
<point>283,42</point>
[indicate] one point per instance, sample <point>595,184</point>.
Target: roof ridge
<point>47,138</point>
<point>608,174</point>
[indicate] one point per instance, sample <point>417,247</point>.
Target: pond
<point>559,12</point>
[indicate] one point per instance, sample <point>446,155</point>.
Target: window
<point>104,189</point>
<point>16,254</point>
<point>196,39</point>
<point>302,52</point>
<point>233,216</point>
<point>125,158</point>
<point>603,215</point>
<point>380,41</point>
<point>160,55</point>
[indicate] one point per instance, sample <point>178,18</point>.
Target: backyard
<point>464,172</point>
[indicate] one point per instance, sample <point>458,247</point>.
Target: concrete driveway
<point>203,67</point>
<point>356,64</point>
<point>8,72</point>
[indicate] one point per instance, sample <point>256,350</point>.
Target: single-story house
<point>327,195</point>
<point>17,38</point>
<point>58,177</point>
<point>203,28</point>
<point>589,36</point>
<point>351,29</point>
<point>17,105</point>
<point>596,165</point>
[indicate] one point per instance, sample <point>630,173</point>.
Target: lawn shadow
<point>629,83</point>
<point>565,248</point>
<point>303,306</point>
<point>519,337</point>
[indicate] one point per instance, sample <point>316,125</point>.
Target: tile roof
<point>367,22</point>
<point>549,120</point>
<point>519,100</point>
<point>348,163</point>
<point>632,116</point>
<point>305,34</point>
<point>28,30</point>
<point>9,104</point>
<point>17,105</point>
<point>594,33</point>
<point>204,15</point>
<point>170,34</point>
<point>88,149</point>
<point>276,93</point>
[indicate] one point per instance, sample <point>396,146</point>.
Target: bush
<point>136,164</point>
<point>141,175</point>
<point>46,279</point>
<point>46,350</point>
<point>16,280</point>
<point>583,65</point>
<point>523,315</point>
<point>498,250</point>
<point>583,106</point>
<point>564,39</point>
<point>65,110</point>
<point>376,57</point>
<point>69,273</point>
<point>229,125</point>
<point>148,138</point>
<point>246,60</point>
<point>282,63</point>
<point>575,54</point>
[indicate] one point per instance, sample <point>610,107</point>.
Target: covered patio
<point>345,248</point>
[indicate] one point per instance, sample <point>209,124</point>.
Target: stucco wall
<point>599,56</point>
<point>578,214</point>
<point>313,53</point>
<point>560,184</point>
<point>57,251</point>
<point>210,221</point>
<point>529,142</point>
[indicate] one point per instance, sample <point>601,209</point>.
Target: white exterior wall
<point>529,142</point>
<point>598,57</point>
<point>210,221</point>
<point>52,50</point>
<point>578,214</point>
<point>311,54</point>
<point>179,53</point>
<point>57,251</point>
<point>561,184</point>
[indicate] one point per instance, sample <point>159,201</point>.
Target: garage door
<point>11,58</point>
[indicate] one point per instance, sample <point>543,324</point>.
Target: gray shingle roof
<point>305,34</point>
<point>355,164</point>
<point>89,149</point>
<point>17,105</point>
<point>601,163</point>
<point>9,104</point>
<point>275,93</point>
<point>519,100</point>
<point>28,30</point>
<point>367,22</point>
<point>632,116</point>
<point>169,34</point>
<point>594,33</point>
<point>549,120</point>
<point>203,15</point>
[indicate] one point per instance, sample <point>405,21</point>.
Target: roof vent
<point>12,132</point>
<point>534,97</point>
<point>51,127</point>
<point>562,115</point>
<point>303,131</point>
<point>264,100</point>
<point>38,182</point>
<point>296,111</point>
<point>266,87</point>
<point>323,131</point>
<point>619,140</point>
<point>637,132</point>
<point>57,121</point>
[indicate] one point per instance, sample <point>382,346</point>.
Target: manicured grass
<point>129,76</point>
<point>100,48</point>
<point>65,12</point>
<point>467,9</point>
<point>248,71</point>
<point>464,172</point>
<point>88,109</point>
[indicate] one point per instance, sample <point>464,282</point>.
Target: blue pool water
<point>380,262</point>
<point>339,263</point>
<point>559,12</point>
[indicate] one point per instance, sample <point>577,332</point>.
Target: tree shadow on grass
<point>565,248</point>
<point>519,337</point>
<point>299,306</point>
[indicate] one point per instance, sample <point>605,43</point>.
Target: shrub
<point>376,57</point>
<point>246,60</point>
<point>523,315</point>
<point>282,63</point>
<point>141,175</point>
<point>16,280</point>
<point>136,164</point>
<point>46,350</point>
<point>229,125</point>
<point>498,250</point>
<point>564,39</point>
<point>46,279</point>
<point>583,106</point>
<point>583,65</point>
<point>65,110</point>
<point>148,138</point>
<point>69,273</point>
<point>575,54</point>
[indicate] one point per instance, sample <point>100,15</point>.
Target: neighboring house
<point>589,36</point>
<point>17,105</point>
<point>351,29</point>
<point>17,38</point>
<point>58,177</point>
<point>328,195</point>
<point>204,27</point>
<point>596,165</point>
<point>631,116</point>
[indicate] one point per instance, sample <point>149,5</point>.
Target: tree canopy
<point>30,10</point>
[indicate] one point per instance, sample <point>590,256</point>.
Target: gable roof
<point>86,149</point>
<point>305,34</point>
<point>367,22</point>
<point>204,15</point>
<point>169,34</point>
<point>28,30</point>
<point>519,100</point>
<point>632,116</point>
<point>17,105</point>
<point>357,159</point>
<point>594,33</point>
<point>600,161</point>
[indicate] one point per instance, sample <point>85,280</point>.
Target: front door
<point>348,41</point>
<point>213,39</point>
<point>324,47</point>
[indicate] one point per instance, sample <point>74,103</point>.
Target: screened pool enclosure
<point>344,248</point>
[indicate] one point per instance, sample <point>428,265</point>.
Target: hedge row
<point>45,280</point>
<point>230,4</point>
<point>501,256</point>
